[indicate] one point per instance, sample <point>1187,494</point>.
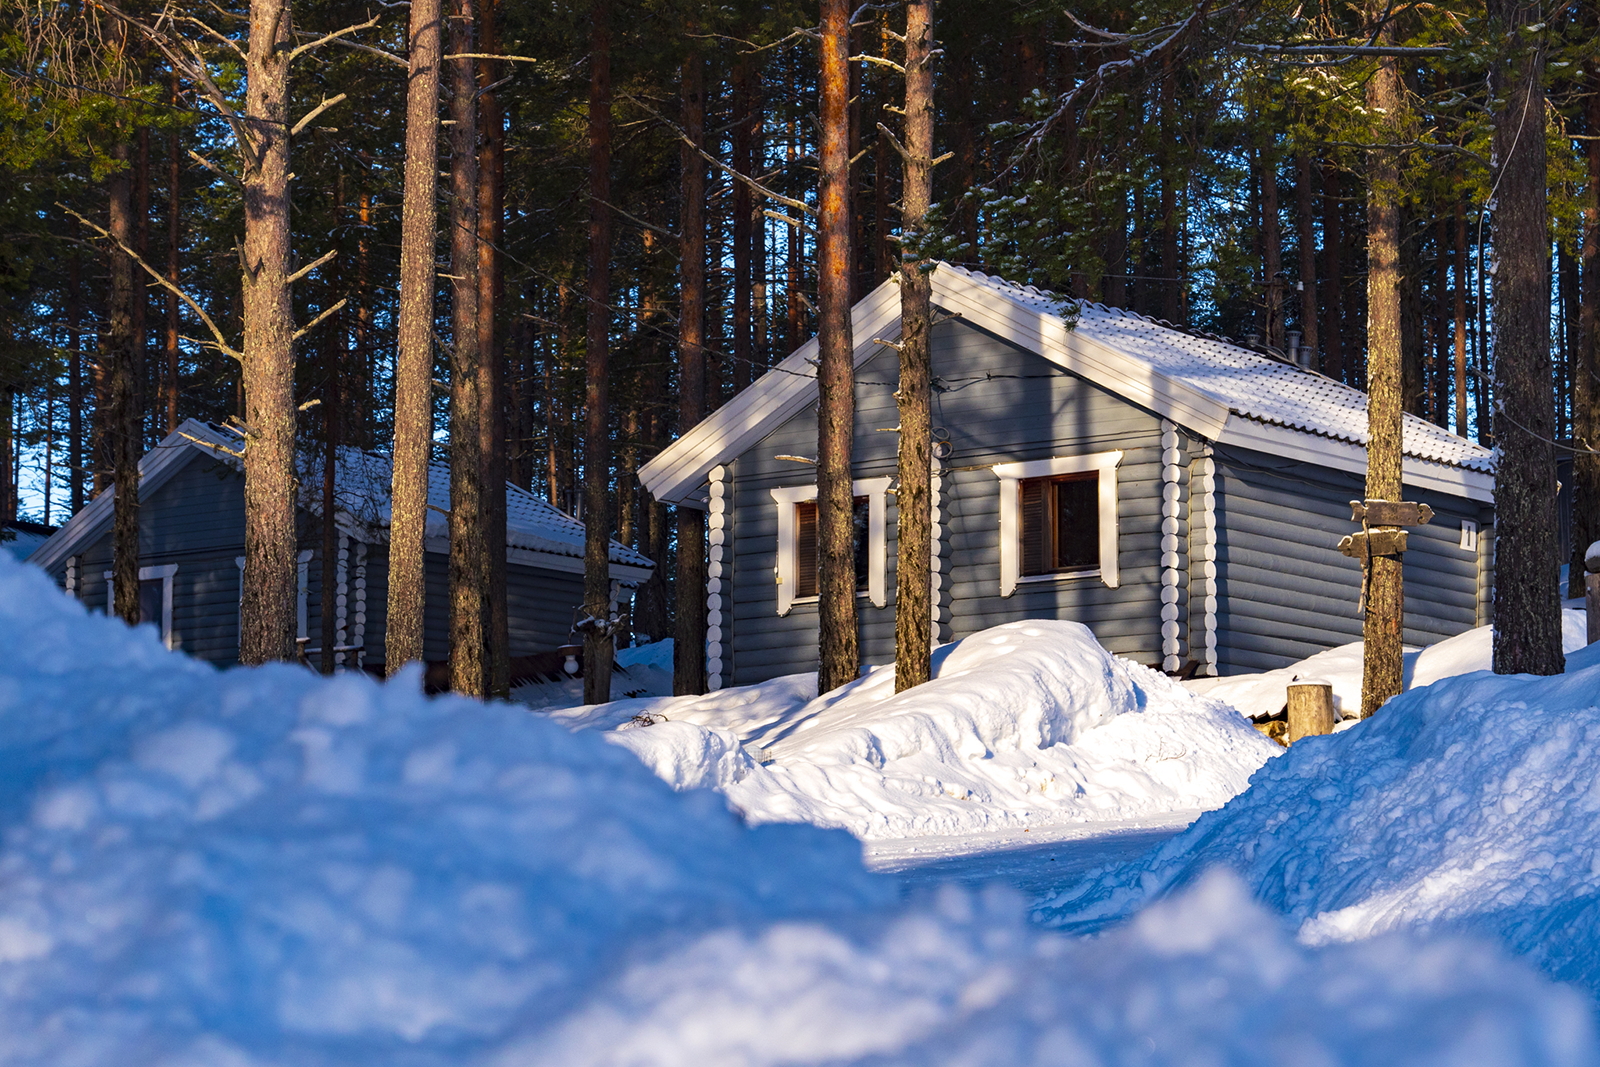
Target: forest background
<point>1207,165</point>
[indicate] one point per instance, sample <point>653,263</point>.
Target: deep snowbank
<point>1026,724</point>
<point>1268,691</point>
<point>203,869</point>
<point>1207,978</point>
<point>1471,805</point>
<point>265,860</point>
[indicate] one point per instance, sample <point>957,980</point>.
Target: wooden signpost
<point>1380,533</point>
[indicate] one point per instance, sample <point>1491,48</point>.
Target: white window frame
<point>875,490</point>
<point>1011,476</point>
<point>165,572</point>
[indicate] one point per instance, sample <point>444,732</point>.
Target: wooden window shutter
<point>805,549</point>
<point>1033,523</point>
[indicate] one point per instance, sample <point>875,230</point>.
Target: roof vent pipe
<point>1291,345</point>
<point>1306,357</point>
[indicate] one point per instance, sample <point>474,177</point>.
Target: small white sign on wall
<point>1469,535</point>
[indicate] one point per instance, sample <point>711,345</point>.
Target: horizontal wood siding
<point>1284,590</point>
<point>540,605</point>
<point>1000,404</point>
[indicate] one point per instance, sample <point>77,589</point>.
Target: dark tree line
<point>557,237</point>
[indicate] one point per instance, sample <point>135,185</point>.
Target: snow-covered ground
<point>1030,724</point>
<point>266,867</point>
<point>1471,805</point>
<point>1267,692</point>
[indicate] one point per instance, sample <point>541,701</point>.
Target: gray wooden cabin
<point>191,555</point>
<point>1214,482</point>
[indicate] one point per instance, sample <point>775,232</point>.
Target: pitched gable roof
<point>1219,390</point>
<point>362,481</point>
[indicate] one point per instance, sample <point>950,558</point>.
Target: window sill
<point>799,600</point>
<point>1059,576</point>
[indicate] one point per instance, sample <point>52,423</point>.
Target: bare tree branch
<point>221,342</point>
<point>213,168</point>
<point>309,267</point>
<point>327,102</point>
<point>314,323</point>
<point>786,201</point>
<point>329,38</point>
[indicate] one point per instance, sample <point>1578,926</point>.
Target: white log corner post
<point>876,490</point>
<point>1011,476</point>
<point>1172,562</point>
<point>1206,550</point>
<point>935,565</point>
<point>717,520</point>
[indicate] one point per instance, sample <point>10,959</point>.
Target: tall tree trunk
<point>491,293</point>
<point>174,192</point>
<point>357,421</point>
<point>468,548</point>
<point>1382,630</point>
<point>267,616</point>
<point>1306,238</point>
<point>141,294</point>
<point>1333,286</point>
<point>1442,323</point>
<point>1461,317</point>
<point>598,643</point>
<point>1172,283</point>
<point>413,374</point>
<point>1271,245</point>
<point>964,142</point>
<point>744,162</point>
<point>838,648</point>
<point>121,421</point>
<point>913,617</point>
<point>1527,615</point>
<point>332,402</point>
<point>1586,396</point>
<point>74,369</point>
<point>689,645</point>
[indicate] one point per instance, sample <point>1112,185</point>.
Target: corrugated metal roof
<point>1253,385</point>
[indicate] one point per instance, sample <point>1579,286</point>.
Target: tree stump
<point>1591,590</point>
<point>1310,710</point>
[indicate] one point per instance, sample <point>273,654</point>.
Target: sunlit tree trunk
<point>413,375</point>
<point>838,645</point>
<point>267,608</point>
<point>913,619</point>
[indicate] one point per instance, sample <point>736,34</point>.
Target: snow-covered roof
<point>1249,383</point>
<point>362,483</point>
<point>1219,390</point>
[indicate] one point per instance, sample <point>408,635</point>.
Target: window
<point>1058,519</point>
<point>155,598</point>
<point>805,546</point>
<point>796,569</point>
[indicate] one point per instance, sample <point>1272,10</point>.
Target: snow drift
<point>1470,805</point>
<point>264,867</point>
<point>1026,724</point>
<point>1268,691</point>
<point>195,862</point>
<point>1207,978</point>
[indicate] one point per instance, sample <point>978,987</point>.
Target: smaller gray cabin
<point>191,555</point>
<point>1180,495</point>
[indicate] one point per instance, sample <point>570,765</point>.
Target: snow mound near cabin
<point>265,866</point>
<point>1026,724</point>
<point>1470,805</point>
<point>1206,978</point>
<point>1268,692</point>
